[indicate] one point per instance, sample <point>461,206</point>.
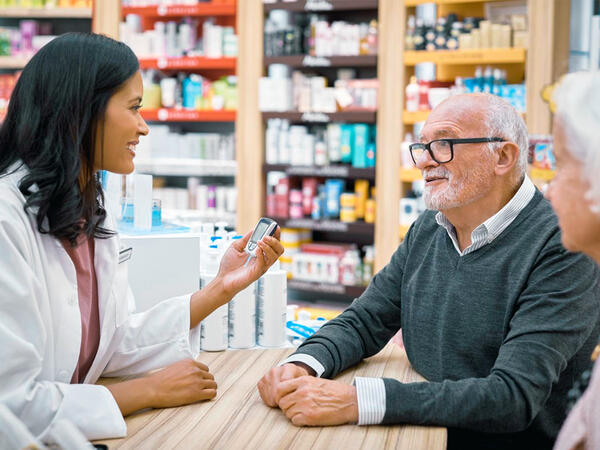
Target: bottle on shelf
<point>412,95</point>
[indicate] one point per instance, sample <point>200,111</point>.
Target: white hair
<point>502,120</point>
<point>577,99</point>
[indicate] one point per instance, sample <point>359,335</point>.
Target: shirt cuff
<point>371,400</point>
<point>308,360</point>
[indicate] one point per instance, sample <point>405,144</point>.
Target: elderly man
<point>495,313</point>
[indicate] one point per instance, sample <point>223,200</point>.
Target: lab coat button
<point>63,375</point>
<point>72,300</point>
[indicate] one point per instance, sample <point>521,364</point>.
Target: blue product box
<point>371,155</point>
<point>333,190</point>
<point>347,142</point>
<point>191,89</point>
<point>361,144</point>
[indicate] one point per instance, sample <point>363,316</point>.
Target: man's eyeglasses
<point>442,150</point>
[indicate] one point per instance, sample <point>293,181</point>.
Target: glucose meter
<point>264,227</point>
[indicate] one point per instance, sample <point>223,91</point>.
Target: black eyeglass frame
<point>451,142</point>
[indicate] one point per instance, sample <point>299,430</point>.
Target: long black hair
<point>55,113</point>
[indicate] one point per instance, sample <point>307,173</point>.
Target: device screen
<point>260,230</point>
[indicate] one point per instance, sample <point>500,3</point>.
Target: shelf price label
<point>315,61</point>
<point>176,114</point>
<point>331,171</point>
<point>176,10</point>
<point>177,63</point>
<point>326,225</point>
<point>315,117</point>
<point>318,5</point>
<point>320,287</point>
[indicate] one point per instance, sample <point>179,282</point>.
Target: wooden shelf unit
<point>548,27</point>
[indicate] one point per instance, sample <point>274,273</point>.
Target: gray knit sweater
<point>500,333</point>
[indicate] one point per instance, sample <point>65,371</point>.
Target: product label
<point>326,225</point>
<point>318,5</point>
<point>332,171</point>
<point>315,117</point>
<point>315,61</point>
<point>318,287</point>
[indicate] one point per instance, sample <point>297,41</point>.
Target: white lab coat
<point>40,327</point>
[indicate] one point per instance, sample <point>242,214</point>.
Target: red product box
<point>326,249</point>
<point>309,191</point>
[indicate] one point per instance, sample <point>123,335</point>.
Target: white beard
<point>458,192</point>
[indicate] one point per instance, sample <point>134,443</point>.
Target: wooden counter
<point>238,418</point>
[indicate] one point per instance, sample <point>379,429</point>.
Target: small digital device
<point>264,227</point>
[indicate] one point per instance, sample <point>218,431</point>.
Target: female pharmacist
<point>575,196</point>
<point>63,293</point>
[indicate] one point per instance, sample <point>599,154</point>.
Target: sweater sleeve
<point>554,316</point>
<point>366,326</point>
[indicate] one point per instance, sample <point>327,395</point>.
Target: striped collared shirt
<point>492,227</point>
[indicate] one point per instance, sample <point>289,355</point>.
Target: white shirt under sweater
<point>371,391</point>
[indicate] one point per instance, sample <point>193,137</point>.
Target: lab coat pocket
<point>120,292</point>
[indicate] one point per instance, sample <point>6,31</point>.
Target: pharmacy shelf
<point>13,62</point>
<point>320,5</point>
<point>334,171</point>
<point>542,174</point>
<point>323,61</point>
<point>46,13</point>
<point>408,175</point>
<point>202,9</point>
<point>186,167</point>
<point>468,56</point>
<point>326,288</point>
<point>186,115</point>
<point>188,63</point>
<point>342,116</point>
<point>327,225</point>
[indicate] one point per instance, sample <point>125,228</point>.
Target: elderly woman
<point>575,196</point>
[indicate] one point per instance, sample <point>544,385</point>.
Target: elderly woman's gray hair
<point>577,99</point>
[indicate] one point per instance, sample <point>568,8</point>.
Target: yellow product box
<point>315,313</point>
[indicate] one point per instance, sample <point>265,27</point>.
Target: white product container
<point>242,319</point>
<point>271,297</point>
<point>213,329</point>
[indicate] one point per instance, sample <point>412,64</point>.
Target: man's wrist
<point>352,410</point>
<point>309,370</point>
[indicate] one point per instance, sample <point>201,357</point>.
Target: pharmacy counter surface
<point>238,418</point>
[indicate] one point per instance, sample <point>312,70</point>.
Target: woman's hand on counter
<point>235,274</point>
<point>181,383</point>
